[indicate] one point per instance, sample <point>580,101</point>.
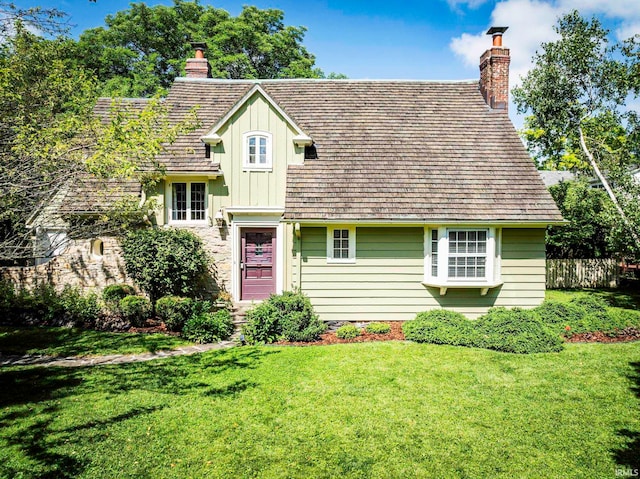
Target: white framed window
<point>462,256</point>
<point>257,150</point>
<point>341,244</point>
<point>188,202</point>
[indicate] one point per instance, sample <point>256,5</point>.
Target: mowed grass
<point>619,298</point>
<point>80,342</point>
<point>370,410</point>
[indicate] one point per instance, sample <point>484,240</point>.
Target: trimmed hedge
<point>377,328</point>
<point>515,331</point>
<point>174,311</point>
<point>209,327</point>
<point>112,294</point>
<point>288,316</point>
<point>440,326</point>
<point>135,309</point>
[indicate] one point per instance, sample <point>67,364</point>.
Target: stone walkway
<point>79,361</point>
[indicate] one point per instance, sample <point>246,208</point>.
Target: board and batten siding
<point>385,283</point>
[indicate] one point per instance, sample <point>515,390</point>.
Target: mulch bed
<point>628,334</point>
<point>154,326</point>
<point>395,334</point>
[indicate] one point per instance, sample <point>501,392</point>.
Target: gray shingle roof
<point>94,195</point>
<point>387,150</point>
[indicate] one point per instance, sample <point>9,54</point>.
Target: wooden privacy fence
<point>582,273</point>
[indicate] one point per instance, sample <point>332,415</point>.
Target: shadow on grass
<point>619,298</point>
<point>76,342</point>
<point>32,399</point>
<point>629,455</point>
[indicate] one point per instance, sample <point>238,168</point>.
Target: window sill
<point>341,261</point>
<point>188,223</point>
<point>483,286</point>
<point>257,168</point>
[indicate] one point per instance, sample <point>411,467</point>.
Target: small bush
<point>112,294</point>
<point>288,316</point>
<point>80,309</point>
<point>208,327</point>
<point>174,311</point>
<point>377,328</point>
<point>440,326</point>
<point>7,300</point>
<point>516,331</point>
<point>590,304</point>
<point>557,316</point>
<point>41,306</point>
<point>348,331</point>
<point>135,309</point>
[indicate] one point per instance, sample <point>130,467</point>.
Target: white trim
<point>268,164</point>
<point>493,262</point>
<point>236,244</point>
<point>352,245</point>
<point>188,221</point>
<point>208,175</point>
<point>255,210</point>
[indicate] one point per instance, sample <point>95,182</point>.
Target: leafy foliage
<point>112,294</point>
<point>377,328</point>
<point>347,331</point>
<point>576,96</point>
<point>165,261</point>
<point>208,327</point>
<point>143,49</point>
<point>174,311</point>
<point>135,309</point>
<point>588,211</point>
<point>288,316</point>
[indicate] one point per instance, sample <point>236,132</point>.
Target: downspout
<point>298,255</point>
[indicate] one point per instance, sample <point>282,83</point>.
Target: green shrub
<point>557,315</point>
<point>174,311</point>
<point>624,318</point>
<point>7,300</point>
<point>516,331</point>
<point>40,306</point>
<point>112,294</point>
<point>80,309</point>
<point>348,331</point>
<point>165,262</point>
<point>377,328</point>
<point>440,326</point>
<point>135,309</point>
<point>208,327</point>
<point>288,316</point>
<point>591,304</point>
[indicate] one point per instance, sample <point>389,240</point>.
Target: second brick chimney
<point>198,67</point>
<point>494,71</point>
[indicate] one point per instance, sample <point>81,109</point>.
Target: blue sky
<point>414,39</point>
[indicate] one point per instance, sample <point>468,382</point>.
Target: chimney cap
<point>198,45</point>
<point>497,30</point>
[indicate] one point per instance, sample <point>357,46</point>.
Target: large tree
<point>576,96</point>
<point>141,50</point>
<point>50,138</point>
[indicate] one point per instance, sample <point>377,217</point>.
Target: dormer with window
<point>257,150</point>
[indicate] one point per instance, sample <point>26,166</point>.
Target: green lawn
<point>77,342</point>
<point>628,299</point>
<point>387,410</point>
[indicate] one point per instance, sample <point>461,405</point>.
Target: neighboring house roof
<point>96,195</point>
<point>387,150</point>
<point>551,178</point>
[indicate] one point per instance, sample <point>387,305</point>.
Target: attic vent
<point>310,152</point>
<point>207,151</point>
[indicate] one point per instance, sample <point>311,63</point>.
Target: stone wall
<point>83,263</point>
<point>89,266</point>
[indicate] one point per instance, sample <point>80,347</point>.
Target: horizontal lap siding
<point>385,283</point>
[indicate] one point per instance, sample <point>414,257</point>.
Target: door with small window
<point>258,263</point>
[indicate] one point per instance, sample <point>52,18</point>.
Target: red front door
<point>258,263</point>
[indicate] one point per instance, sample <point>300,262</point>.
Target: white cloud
<point>627,30</point>
<point>530,23</point>
<point>456,4</point>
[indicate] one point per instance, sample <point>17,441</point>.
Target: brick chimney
<point>494,72</point>
<point>198,67</point>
